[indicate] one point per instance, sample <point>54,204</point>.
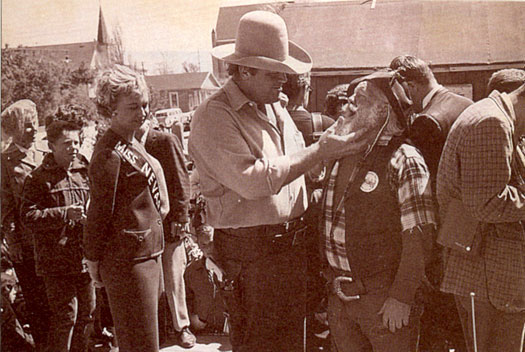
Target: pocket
<point>505,271</point>
<point>134,244</point>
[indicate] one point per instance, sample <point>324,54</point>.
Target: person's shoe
<point>186,338</point>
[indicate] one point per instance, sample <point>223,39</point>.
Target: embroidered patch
<point>370,183</point>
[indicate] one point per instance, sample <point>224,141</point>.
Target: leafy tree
<point>47,83</point>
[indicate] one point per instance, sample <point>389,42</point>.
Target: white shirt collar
<point>429,96</point>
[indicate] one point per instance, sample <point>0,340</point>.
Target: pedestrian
<point>55,199</point>
<point>123,236</point>
<point>335,100</point>
<point>435,110</point>
<point>378,226</point>
<point>480,193</point>
<point>251,158</point>
<point>435,107</point>
<point>311,125</point>
<point>167,149</point>
<point>21,157</point>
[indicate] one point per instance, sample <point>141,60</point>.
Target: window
<point>174,99</point>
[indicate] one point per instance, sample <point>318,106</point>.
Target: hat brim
<point>297,62</point>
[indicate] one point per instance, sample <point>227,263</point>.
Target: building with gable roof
<point>184,90</point>
<point>464,41</point>
<point>89,55</point>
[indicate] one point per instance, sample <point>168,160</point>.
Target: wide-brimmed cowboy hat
<point>262,42</point>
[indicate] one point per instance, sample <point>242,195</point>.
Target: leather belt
<point>289,233</point>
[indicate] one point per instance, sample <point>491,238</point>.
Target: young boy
<point>56,196</point>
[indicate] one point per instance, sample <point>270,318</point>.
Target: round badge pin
<point>370,183</point>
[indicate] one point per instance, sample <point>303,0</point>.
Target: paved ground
<point>205,343</point>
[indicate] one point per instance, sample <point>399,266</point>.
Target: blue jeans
<point>72,302</point>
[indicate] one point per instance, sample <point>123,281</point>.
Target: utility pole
<point>199,59</point>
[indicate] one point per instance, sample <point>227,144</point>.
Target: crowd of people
<point>391,222</point>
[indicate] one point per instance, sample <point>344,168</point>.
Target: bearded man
<point>379,218</point>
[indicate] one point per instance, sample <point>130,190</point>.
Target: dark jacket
<point>167,149</point>
<point>48,191</point>
<point>429,129</point>
<point>125,216</point>
<point>16,165</point>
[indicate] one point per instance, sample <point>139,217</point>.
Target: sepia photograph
<point>262,176</point>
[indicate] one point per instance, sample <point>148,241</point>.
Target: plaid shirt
<point>482,166</point>
<point>409,177</point>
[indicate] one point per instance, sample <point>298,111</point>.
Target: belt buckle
<point>339,292</point>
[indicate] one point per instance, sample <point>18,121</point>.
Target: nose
<point>282,78</point>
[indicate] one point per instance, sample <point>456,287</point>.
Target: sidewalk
<point>205,343</point>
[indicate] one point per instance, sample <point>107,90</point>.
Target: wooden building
<point>464,41</point>
<point>184,90</point>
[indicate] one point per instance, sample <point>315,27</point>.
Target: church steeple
<point>102,36</point>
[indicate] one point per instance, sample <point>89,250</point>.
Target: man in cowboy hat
<point>251,159</point>
<point>378,222</point>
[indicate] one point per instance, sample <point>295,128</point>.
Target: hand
<point>94,273</point>
<point>395,314</point>
<point>334,146</point>
<point>75,213</point>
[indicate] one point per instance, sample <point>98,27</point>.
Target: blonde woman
<point>123,238</point>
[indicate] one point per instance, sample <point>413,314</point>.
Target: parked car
<point>169,115</point>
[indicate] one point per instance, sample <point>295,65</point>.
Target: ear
<point>244,72</point>
<point>51,146</point>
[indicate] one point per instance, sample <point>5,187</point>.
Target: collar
<point>235,95</point>
<point>505,104</point>
<point>49,163</point>
<point>144,136</point>
<point>430,95</point>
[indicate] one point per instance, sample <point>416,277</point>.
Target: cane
<point>472,294</point>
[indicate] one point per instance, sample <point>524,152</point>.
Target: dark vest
<point>373,220</point>
<point>429,130</point>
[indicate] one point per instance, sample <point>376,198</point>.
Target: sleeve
<point>35,212</point>
<point>9,207</point>
<point>491,190</point>
<point>221,152</point>
<point>177,180</point>
<point>411,180</point>
<point>103,176</point>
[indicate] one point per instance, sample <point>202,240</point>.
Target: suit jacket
<point>128,203</point>
<point>483,167</point>
<point>167,149</point>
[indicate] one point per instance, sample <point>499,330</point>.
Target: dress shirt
<point>429,96</point>
<point>242,159</point>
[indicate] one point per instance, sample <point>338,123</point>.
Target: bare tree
<point>163,67</point>
<point>117,51</point>
<point>190,67</point>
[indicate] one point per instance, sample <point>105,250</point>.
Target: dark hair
<point>335,98</point>
<point>294,83</point>
<point>233,70</point>
<point>412,69</point>
<point>69,117</point>
<point>506,80</point>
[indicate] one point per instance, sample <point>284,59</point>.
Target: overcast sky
<point>152,30</point>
